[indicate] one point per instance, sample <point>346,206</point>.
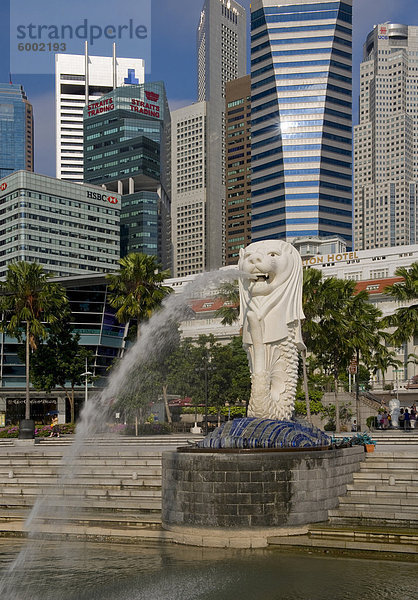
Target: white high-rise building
<point>198,142</point>
<point>188,189</point>
<point>73,90</point>
<point>386,140</point>
<point>221,57</point>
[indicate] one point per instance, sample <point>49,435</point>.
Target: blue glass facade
<point>300,70</point>
<point>16,130</point>
<point>94,320</point>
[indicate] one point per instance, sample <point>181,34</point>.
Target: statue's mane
<point>283,305</point>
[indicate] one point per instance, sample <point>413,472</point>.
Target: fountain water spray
<point>154,338</point>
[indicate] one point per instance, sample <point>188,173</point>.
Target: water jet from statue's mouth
<point>263,277</point>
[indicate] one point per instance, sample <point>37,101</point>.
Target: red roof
<point>207,305</point>
<point>376,286</point>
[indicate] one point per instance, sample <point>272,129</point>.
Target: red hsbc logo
<point>104,197</point>
<point>3,187</point>
<point>152,96</point>
<point>383,30</point>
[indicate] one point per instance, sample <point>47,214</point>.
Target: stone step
<point>80,491</point>
<point>379,488</point>
<point>87,503</point>
<point>136,519</point>
<point>38,473</point>
<point>87,460</point>
<point>364,501</point>
<point>82,485</point>
<point>406,477</point>
<point>125,480</point>
<point>394,464</point>
<point>371,515</point>
<point>347,543</point>
<point>89,531</point>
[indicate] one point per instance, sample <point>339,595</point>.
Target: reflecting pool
<point>88,571</point>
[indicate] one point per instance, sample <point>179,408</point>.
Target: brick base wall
<point>254,489</point>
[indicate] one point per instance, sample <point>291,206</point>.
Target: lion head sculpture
<point>270,286</point>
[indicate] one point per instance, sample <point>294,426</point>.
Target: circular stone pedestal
<point>241,497</point>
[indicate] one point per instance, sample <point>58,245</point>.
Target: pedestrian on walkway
<point>407,425</point>
<point>402,419</point>
<point>413,416</point>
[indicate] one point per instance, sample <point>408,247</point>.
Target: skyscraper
<point>188,189</point>
<point>386,140</point>
<point>127,150</point>
<point>80,79</point>
<point>301,110</point>
<point>221,57</point>
<point>238,167</point>
<point>16,130</point>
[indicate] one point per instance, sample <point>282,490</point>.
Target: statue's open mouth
<point>261,277</point>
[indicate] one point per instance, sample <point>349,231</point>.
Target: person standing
<point>407,424</point>
<point>413,416</point>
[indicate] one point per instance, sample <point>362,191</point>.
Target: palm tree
<point>28,303</point>
<point>405,319</point>
<point>137,290</point>
<point>313,302</point>
<point>228,292</point>
<point>364,335</point>
<point>327,336</point>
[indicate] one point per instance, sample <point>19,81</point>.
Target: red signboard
<point>152,96</point>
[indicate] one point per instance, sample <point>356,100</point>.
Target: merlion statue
<point>270,286</point>
<point>394,409</point>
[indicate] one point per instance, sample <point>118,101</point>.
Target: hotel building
<point>301,111</point>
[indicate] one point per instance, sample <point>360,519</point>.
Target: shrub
<point>12,431</point>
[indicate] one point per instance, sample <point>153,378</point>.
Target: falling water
<point>155,336</point>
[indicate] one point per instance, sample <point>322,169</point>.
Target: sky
<point>173,51</point>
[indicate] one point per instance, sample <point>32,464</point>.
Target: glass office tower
<point>301,111</point>
<point>127,150</point>
<point>16,130</point>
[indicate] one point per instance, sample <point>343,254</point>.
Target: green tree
<point>314,300</point>
<point>60,362</point>
<point>137,289</point>
<point>225,366</point>
<point>229,312</point>
<point>29,303</point>
<point>329,338</point>
<point>405,318</point>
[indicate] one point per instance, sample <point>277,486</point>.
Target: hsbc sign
<point>104,197</point>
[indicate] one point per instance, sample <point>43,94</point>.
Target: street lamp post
<point>86,375</point>
<point>206,393</point>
